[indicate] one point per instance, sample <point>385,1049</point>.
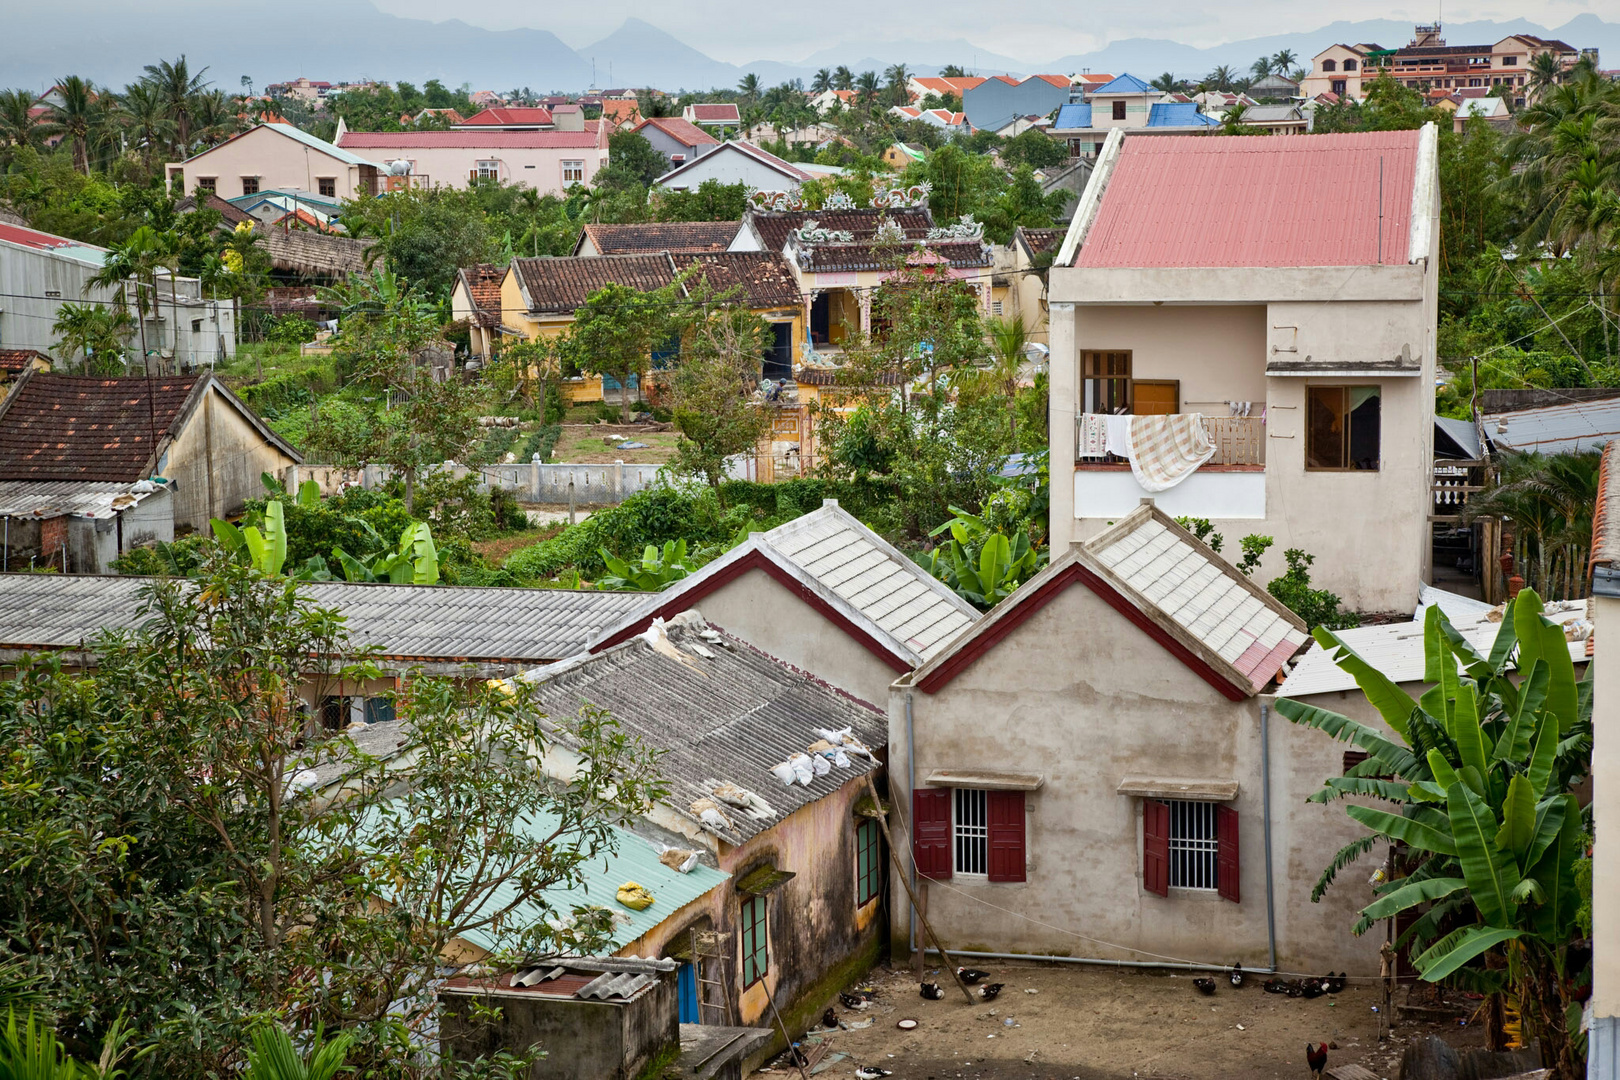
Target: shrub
<point>1318,607</point>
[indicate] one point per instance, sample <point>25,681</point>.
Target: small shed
<point>80,527</point>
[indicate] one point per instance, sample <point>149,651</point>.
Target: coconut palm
<point>77,119</point>
<point>214,117</point>
<point>822,82</point>
<point>866,88</point>
<point>99,333</point>
<point>18,124</point>
<point>1546,72</point>
<point>843,78</point>
<point>1550,498</point>
<point>1008,340</point>
<point>1261,67</point>
<point>1221,78</point>
<point>750,87</point>
<point>1283,60</point>
<point>178,88</point>
<point>1166,82</point>
<point>144,114</point>
<point>895,79</point>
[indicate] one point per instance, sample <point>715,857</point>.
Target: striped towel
<point>1093,436</point>
<point>1165,450</point>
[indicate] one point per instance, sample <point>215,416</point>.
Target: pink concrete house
<point>548,161</point>
<point>272,156</point>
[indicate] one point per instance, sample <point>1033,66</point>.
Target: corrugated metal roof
<point>469,139</point>
<point>1396,649</point>
<point>348,157</point>
<point>907,602</point>
<point>439,623</point>
<point>1455,605</point>
<point>1179,114</point>
<point>1073,116</point>
<point>720,710</point>
<point>1557,429</point>
<point>1461,432</point>
<point>635,860</point>
<point>61,498</point>
<point>1308,200</point>
<point>1125,84</point>
<point>1155,558</point>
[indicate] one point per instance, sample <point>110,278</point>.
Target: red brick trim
<point>756,560</point>
<point>983,643</point>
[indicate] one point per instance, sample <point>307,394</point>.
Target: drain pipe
<point>1175,964</point>
<point>911,786</point>
<point>1265,803</point>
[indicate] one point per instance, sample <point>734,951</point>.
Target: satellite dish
<point>399,168</point>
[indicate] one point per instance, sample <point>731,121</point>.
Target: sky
<point>1031,30</point>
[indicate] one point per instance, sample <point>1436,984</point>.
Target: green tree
<point>1480,771</point>
<point>77,119</point>
<point>843,78</point>
<point>1034,148</point>
<point>439,230</point>
<point>145,112</point>
<point>18,124</point>
<point>616,332</point>
<point>713,384</point>
<point>712,201</point>
<point>97,333</point>
<point>178,88</point>
<point>822,82</point>
<point>1221,78</point>
<point>749,87</point>
<point>633,162</point>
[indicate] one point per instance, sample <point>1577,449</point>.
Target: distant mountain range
<point>336,40</point>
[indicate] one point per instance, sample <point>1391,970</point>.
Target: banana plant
<point>656,570</point>
<point>274,1057</point>
<point>1478,777</point>
<point>267,550</point>
<point>415,561</point>
<point>984,581</point>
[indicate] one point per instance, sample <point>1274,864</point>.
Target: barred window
<point>1193,845</point>
<point>972,832</point>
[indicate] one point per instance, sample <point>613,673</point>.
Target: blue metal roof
<point>1124,84</point>
<point>1072,117</point>
<point>636,860</point>
<point>1179,114</point>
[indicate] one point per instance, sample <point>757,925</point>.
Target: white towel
<point>1119,435</point>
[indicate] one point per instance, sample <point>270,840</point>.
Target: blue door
<point>686,994</point>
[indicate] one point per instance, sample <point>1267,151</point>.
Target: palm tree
<point>1283,60</point>
<point>952,71</point>
<point>750,87</point>
<point>1221,78</point>
<point>98,333</point>
<point>1008,339</point>
<point>843,78</point>
<point>866,88</point>
<point>1546,72</point>
<point>214,117</point>
<point>76,118</point>
<point>896,78</point>
<point>1166,82</point>
<point>1261,67</point>
<point>144,112</point>
<point>822,82</point>
<point>18,124</point>
<point>178,87</point>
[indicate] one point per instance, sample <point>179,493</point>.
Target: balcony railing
<point>1239,440</point>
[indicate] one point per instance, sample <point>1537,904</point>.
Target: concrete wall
<point>1604,1053</point>
<point>531,481</point>
<point>730,166</point>
<point>1084,698</point>
<point>538,167</point>
<point>760,610</point>
<point>216,462</point>
<point>277,160</point>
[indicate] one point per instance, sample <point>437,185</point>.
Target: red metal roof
<point>682,131</point>
<point>1304,200</point>
<point>518,115</point>
<point>714,114</point>
<point>33,238</point>
<point>469,140</point>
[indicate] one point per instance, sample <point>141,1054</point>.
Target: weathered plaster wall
<point>1605,1036</point>
<point>1089,700</point>
<point>216,463</point>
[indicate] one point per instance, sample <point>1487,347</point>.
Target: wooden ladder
<point>711,962</point>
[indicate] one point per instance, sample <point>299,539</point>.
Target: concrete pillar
<point>1063,373</point>
<point>865,301</point>
<point>534,478</point>
<point>618,481</point>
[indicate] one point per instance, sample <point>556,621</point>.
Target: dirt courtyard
<point>1094,1023</point>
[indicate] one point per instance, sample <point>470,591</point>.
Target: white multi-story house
<point>1300,327</point>
<point>1427,62</point>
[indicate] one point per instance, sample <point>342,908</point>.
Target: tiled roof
<point>677,237</point>
<point>469,140</point>
<point>509,116</point>
<point>1197,606</point>
<point>831,258</point>
<point>61,427</point>
<point>773,227</point>
<point>564,284</point>
<point>1606,517</point>
<point>14,361</point>
<point>1145,219</point>
<point>1041,241</point>
<point>229,214</point>
<point>722,712</point>
<point>765,278</point>
<point>431,623</point>
<point>715,114</point>
<point>1179,114</point>
<point>483,284</point>
<point>684,132</point>
<point>943,85</point>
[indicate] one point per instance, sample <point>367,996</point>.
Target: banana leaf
<point>1392,703</point>
<point>353,568</point>
<point>228,535</point>
<point>1456,949</point>
<point>1397,759</point>
<point>1408,896</point>
<point>1541,762</point>
<point>1409,831</point>
<point>427,557</point>
<point>1562,696</point>
<point>1515,741</point>
<point>1549,823</point>
<point>1518,829</point>
<point>1465,729</point>
<point>1526,615</point>
<point>1555,872</point>
<point>1490,872</point>
<point>275,538</point>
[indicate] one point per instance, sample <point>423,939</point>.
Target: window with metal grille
<point>868,862</point>
<point>250,185</point>
<point>573,172</point>
<point>995,308</point>
<point>972,831</point>
<point>756,958</point>
<point>1193,845</point>
<point>209,184</point>
<point>326,185</point>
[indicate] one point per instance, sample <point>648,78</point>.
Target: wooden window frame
<point>1175,384</point>
<point>209,184</point>
<point>580,163</point>
<point>1098,359</point>
<point>246,180</point>
<point>754,937</point>
<point>323,183</point>
<point>868,862</point>
<point>1345,418</point>
<point>931,835</point>
<point>1118,112</point>
<point>1159,847</point>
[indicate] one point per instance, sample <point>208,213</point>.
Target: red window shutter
<point>1005,813</point>
<point>1226,853</point>
<point>1156,846</point>
<point>931,832</point>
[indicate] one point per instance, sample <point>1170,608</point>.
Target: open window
<point>1190,844</point>
<point>1342,428</point>
<point>868,862</point>
<point>1105,381</point>
<point>969,832</point>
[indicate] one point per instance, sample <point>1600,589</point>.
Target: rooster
<point>971,975</point>
<point>932,992</point>
<point>871,1072</point>
<point>1316,1058</point>
<point>990,991</point>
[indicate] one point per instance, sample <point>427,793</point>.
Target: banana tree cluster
<point>414,561</point>
<point>981,564</point>
<point>1475,788</point>
<point>656,569</point>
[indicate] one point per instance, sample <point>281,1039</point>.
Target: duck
<point>829,1019</point>
<point>871,1072</point>
<point>989,991</point>
<point>1336,983</point>
<point>971,975</point>
<point>932,992</point>
<point>851,1001</point>
<point>1205,986</point>
<point>1236,975</point>
<point>1312,988</point>
<point>1275,985</point>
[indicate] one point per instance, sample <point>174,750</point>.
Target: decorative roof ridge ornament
<point>888,232</point>
<point>964,229</point>
<point>811,232</point>
<point>838,200</point>
<point>885,198</point>
<point>775,200</point>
